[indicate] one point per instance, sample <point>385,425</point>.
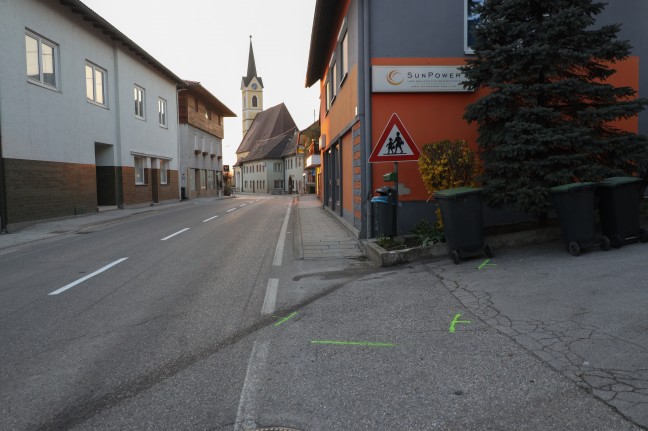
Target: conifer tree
<point>548,118</point>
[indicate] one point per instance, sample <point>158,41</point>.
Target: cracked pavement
<point>586,317</point>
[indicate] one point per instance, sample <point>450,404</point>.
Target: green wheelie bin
<point>619,203</point>
<point>461,211</point>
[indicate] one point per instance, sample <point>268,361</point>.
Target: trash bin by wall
<point>619,204</point>
<point>574,203</point>
<point>384,211</point>
<point>461,211</point>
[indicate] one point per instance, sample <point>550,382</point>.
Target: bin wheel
<point>455,257</point>
<point>643,235</point>
<point>489,251</point>
<point>616,240</point>
<point>605,243</point>
<point>574,249</point>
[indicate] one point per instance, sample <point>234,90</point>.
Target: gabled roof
<point>251,71</point>
<point>291,147</point>
<point>273,148</point>
<point>219,107</point>
<point>324,30</point>
<point>267,125</point>
<point>111,32</point>
<point>302,139</point>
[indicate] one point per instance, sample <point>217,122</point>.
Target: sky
<point>208,41</point>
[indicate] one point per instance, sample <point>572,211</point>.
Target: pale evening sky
<point>208,41</point>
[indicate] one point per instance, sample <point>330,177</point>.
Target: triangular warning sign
<point>395,144</point>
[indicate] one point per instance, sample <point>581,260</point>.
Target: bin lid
<point>384,199</point>
<point>457,191</point>
<point>571,187</point>
<point>617,181</point>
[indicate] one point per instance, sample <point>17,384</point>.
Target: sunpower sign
<point>395,144</point>
<point>417,79</point>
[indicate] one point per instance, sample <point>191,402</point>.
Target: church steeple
<point>252,89</point>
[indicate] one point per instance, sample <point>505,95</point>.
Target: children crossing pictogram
<point>395,144</point>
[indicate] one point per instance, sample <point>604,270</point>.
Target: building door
<point>328,174</point>
<point>197,177</point>
<point>338,177</point>
<point>106,173</point>
<point>155,180</point>
<point>334,182</point>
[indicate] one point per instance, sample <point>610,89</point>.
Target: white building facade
<point>87,118</point>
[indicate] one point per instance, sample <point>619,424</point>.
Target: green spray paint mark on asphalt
<point>455,321</point>
<point>486,264</point>
<point>285,319</point>
<point>353,343</point>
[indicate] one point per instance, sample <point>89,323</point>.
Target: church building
<point>269,136</point>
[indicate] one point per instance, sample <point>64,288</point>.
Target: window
<point>139,170</point>
<point>471,19</point>
<point>162,112</point>
<point>334,81</point>
<point>208,114</point>
<point>344,56</point>
<point>328,94</point>
<point>42,56</point>
<point>254,101</point>
<point>277,167</point>
<point>210,180</point>
<point>203,179</point>
<point>164,166</point>
<point>138,96</point>
<point>95,84</point>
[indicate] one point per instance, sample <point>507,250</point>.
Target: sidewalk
<point>322,236</point>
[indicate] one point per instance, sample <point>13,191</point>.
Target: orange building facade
<point>354,45</point>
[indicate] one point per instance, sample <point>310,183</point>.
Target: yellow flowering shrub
<point>447,164</point>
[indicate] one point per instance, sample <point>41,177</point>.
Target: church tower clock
<point>252,89</point>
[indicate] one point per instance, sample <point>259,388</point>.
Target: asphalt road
<point>183,285</point>
<point>201,317</point>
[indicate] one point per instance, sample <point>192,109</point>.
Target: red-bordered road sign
<point>395,144</point>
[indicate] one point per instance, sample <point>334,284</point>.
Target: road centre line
<point>270,296</point>
<point>81,280</point>
<point>174,234</point>
<point>242,205</point>
<point>210,218</point>
<point>247,408</point>
<point>278,256</point>
<point>230,210</point>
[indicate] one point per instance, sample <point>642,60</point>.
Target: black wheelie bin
<point>461,211</point>
<point>619,203</point>
<point>574,203</point>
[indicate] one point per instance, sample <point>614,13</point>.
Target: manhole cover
<point>276,429</point>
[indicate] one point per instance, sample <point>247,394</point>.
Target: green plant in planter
<point>427,234</point>
<point>389,243</point>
